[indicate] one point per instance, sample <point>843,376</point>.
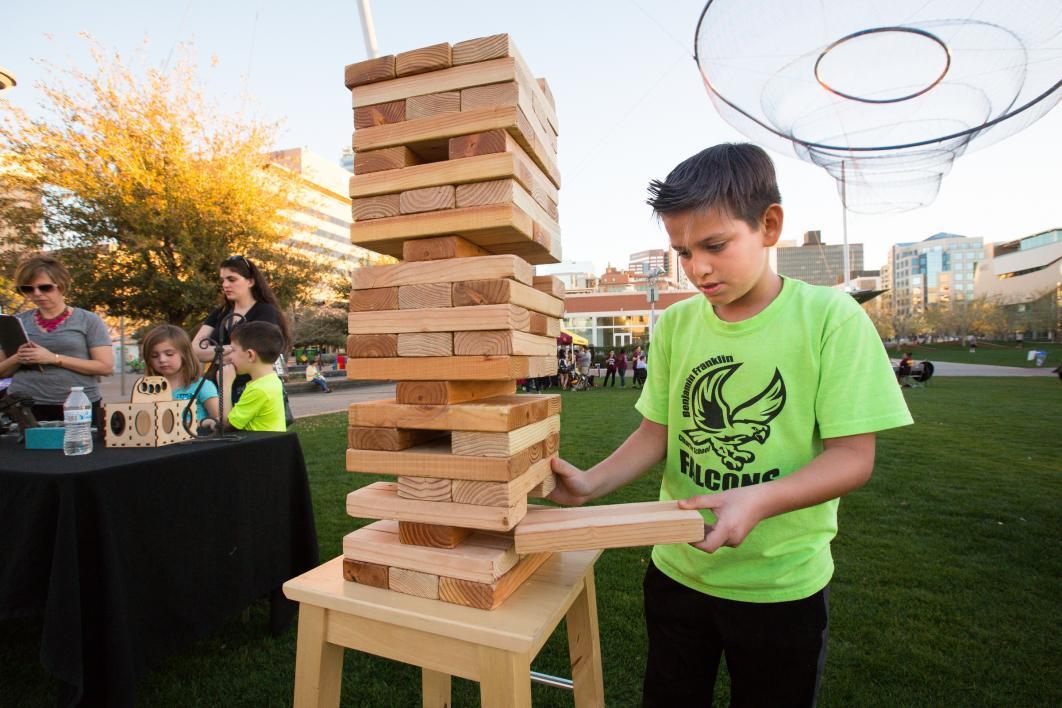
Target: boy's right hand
<point>573,489</point>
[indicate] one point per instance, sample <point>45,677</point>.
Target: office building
<point>815,262</point>
<point>1025,276</point>
<point>938,270</point>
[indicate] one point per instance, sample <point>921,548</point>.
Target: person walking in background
<point>641,369</point>
<point>610,369</point>
<point>621,367</point>
<point>564,367</point>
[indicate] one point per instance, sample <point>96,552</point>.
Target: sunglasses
<point>30,289</point>
<point>237,259</point>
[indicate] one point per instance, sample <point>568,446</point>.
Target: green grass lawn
<point>992,353</point>
<point>946,591</point>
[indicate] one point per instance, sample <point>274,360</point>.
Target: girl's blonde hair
<point>179,339</point>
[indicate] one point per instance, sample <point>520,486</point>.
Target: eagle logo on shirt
<point>726,428</point>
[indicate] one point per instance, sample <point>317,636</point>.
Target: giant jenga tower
<point>455,174</point>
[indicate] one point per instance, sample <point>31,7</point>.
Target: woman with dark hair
<point>246,292</point>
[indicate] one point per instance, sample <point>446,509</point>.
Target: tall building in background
<point>815,262</point>
<point>938,270</point>
<point>1025,275</point>
<point>577,276</point>
<point>346,159</point>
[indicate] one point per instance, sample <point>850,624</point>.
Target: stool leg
<point>504,679</point>
<point>435,688</point>
<point>318,664</point>
<point>584,646</point>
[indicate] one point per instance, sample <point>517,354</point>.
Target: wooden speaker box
<point>151,388</point>
<point>150,424</point>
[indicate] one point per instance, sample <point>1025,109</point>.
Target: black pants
<point>774,651</point>
<point>610,374</point>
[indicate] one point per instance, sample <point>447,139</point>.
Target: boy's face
<point>725,258</point>
<point>242,358</point>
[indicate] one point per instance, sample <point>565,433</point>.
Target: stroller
<point>578,382</point>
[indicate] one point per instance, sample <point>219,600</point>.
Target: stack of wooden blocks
<point>455,173</point>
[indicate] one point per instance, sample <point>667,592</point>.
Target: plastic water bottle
<point>77,417</point>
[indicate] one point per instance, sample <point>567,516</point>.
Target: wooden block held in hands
<point>440,247</point>
<point>415,201</point>
<point>372,345</point>
<point>379,207</point>
<point>503,444</point>
<point>419,344</point>
<point>422,295</point>
<point>500,493</point>
<point>388,158</point>
<point>369,71</point>
<point>431,535</point>
<point>418,61</point>
<point>379,114</point>
<point>449,392</point>
<point>607,526</point>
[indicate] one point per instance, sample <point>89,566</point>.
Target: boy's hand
<point>572,487</point>
<point>736,511</point>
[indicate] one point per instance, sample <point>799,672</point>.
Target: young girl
<point>167,351</point>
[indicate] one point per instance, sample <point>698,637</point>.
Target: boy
<point>764,396</point>
<point>255,346</point>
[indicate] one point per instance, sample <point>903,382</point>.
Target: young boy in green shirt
<point>255,346</point>
<point>764,396</point>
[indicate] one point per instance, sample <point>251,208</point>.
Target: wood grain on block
<point>365,438</point>
<point>500,493</point>
<point>487,143</point>
<point>481,557</point>
<point>380,500</point>
<point>544,325</point>
<point>365,573</point>
<point>497,191</point>
<point>450,392</point>
<point>372,345</point>
<point>452,79</point>
<point>544,488</point>
<point>411,582</point>
<point>481,49</point>
<point>498,413</point>
<point>549,284</point>
<point>377,207</point>
<point>440,319</point>
<point>440,247</point>
<point>607,526</point>
<point>503,266</point>
<point>415,201</point>
<point>456,368</point>
<point>433,104</point>
<point>426,344</point>
<point>421,295</point>
<point>551,443</point>
<point>507,94</point>
<point>372,299</point>
<point>498,291</point>
<point>388,158</point>
<point>544,86</point>
<point>538,105</point>
<point>502,342</point>
<point>380,114</point>
<point>436,460</point>
<point>489,596</point>
<point>503,444</point>
<point>369,71</point>
<point>418,61</point>
<point>432,535</point>
<point>426,488</point>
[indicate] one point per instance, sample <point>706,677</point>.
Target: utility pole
<point>368,31</point>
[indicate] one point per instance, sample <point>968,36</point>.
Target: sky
<point>630,101</point>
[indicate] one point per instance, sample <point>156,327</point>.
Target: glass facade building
<point>939,269</point>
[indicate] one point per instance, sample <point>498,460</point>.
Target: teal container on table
<point>45,438</point>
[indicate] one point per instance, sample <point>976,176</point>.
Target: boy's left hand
<point>736,511</point>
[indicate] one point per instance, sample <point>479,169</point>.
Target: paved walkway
<point>947,368</point>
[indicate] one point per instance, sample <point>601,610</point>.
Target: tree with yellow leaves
<point>146,187</point>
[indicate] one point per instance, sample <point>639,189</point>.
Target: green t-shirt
<point>747,402</point>
<point>261,406</point>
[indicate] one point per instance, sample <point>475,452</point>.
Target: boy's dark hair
<point>263,338</point>
<point>737,178</point>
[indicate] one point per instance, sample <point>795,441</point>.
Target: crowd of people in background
<point>578,369</point>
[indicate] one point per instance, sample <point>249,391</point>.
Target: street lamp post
<point>652,294</point>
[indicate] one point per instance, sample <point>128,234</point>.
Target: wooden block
<point>372,345</point>
<point>482,557</point>
<point>481,49</point>
<point>422,295</point>
<point>364,438</point>
<point>502,342</point>
<point>488,143</point>
<point>365,573</point>
<point>436,460</point>
<point>485,226</point>
<point>379,114</point>
<point>500,493</point>
<point>372,299</point>
<point>440,319</point>
<point>551,443</point>
<point>411,582</point>
<point>495,414</point>
<point>607,526</point>
<point>426,344</point>
<point>431,535</point>
<point>415,201</point>
<point>457,368</point>
<point>544,325</point>
<point>497,291</point>
<point>544,86</point>
<point>549,284</point>
<point>438,248</point>
<point>419,61</point>
<point>489,596</point>
<point>496,191</point>
<point>380,500</point>
<point>503,266</point>
<point>450,392</point>
<point>377,207</point>
<point>505,444</point>
<point>433,104</point>
<point>506,94</point>
<point>426,488</point>
<point>369,71</point>
<point>453,79</point>
<point>543,490</point>
<point>388,158</point>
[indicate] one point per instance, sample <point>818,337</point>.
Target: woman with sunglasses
<point>67,346</point>
<point>245,291</point>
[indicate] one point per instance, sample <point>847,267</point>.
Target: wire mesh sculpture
<point>884,96</point>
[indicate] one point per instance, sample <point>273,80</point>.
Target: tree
<point>322,325</point>
<point>147,187</point>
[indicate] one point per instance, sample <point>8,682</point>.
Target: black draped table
<point>130,554</point>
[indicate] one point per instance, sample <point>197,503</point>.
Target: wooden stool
<point>493,647</point>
